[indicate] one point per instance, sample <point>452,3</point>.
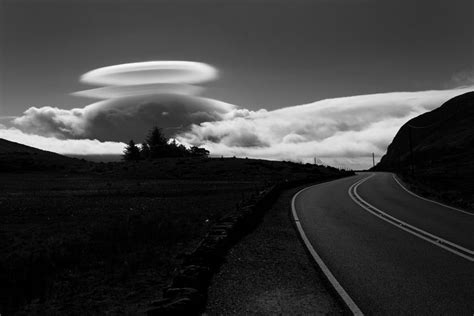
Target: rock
<point>192,276</point>
<point>181,306</point>
<point>161,302</point>
<point>191,293</point>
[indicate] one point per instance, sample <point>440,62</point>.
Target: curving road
<point>392,252</point>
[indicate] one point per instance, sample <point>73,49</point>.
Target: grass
<point>454,189</point>
<point>106,238</point>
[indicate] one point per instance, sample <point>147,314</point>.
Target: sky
<point>284,73</point>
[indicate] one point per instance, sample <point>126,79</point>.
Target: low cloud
<point>341,131</point>
<point>62,146</point>
<point>122,119</point>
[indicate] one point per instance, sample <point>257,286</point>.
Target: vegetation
<point>158,146</point>
<point>131,152</point>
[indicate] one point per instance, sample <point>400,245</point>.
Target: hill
<point>18,157</point>
<point>443,149</point>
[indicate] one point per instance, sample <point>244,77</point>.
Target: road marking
<point>435,240</point>
<point>426,199</point>
<point>335,284</point>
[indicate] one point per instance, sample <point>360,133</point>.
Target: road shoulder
<point>269,272</point>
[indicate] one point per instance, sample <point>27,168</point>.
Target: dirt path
<point>269,272</point>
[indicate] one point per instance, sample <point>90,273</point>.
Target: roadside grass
<point>456,190</point>
<point>106,238</point>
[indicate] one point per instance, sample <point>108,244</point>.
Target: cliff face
<point>442,141</point>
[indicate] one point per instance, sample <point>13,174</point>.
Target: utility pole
<point>412,158</point>
<point>373,160</point>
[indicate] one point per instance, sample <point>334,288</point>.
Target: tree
<point>131,152</point>
<point>157,143</point>
<point>144,151</point>
<point>199,152</point>
<point>158,146</point>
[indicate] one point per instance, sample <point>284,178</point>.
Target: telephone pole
<point>373,160</point>
<point>412,158</point>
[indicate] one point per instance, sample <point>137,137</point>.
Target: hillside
<point>441,138</point>
<point>443,149</point>
<point>18,157</point>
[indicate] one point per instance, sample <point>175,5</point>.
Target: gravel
<point>269,272</point>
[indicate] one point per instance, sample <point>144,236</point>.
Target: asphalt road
<point>391,263</point>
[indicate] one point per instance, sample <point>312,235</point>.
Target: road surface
<point>390,251</point>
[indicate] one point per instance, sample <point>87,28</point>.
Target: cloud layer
<point>122,119</point>
<point>62,146</point>
<point>341,131</point>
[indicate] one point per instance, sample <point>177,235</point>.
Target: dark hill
<point>442,140</point>
<point>443,152</point>
<point>18,157</point>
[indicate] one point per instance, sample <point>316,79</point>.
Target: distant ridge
<point>17,157</point>
<point>442,140</point>
<point>98,158</point>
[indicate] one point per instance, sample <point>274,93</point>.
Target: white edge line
<point>426,199</point>
<point>355,185</point>
<point>335,284</point>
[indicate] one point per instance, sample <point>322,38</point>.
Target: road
<point>392,252</point>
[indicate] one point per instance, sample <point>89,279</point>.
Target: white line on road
<point>435,240</point>
<point>420,197</point>
<point>335,284</point>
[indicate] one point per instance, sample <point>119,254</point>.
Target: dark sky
<point>270,54</point>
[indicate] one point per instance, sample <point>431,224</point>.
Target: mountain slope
<point>442,140</point>
<point>443,153</point>
<point>18,157</point>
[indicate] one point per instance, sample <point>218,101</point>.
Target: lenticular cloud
<point>113,92</point>
<point>146,78</point>
<point>180,72</point>
<point>136,97</point>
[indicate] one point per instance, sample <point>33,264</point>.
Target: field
<point>105,238</point>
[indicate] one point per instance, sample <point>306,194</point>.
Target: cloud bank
<point>122,119</point>
<point>62,146</point>
<point>340,131</point>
